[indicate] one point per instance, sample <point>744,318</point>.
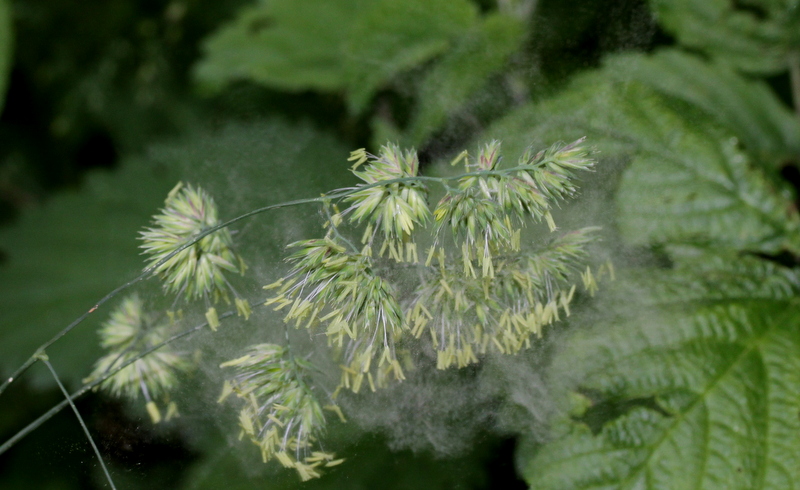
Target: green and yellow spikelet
<point>330,286</point>
<point>197,271</point>
<point>281,415</point>
<point>395,208</point>
<point>127,334</point>
<point>466,316</point>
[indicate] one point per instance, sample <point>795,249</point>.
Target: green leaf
<point>755,36</point>
<point>284,44</point>
<point>748,108</point>
<point>65,255</point>
<point>699,392</point>
<point>691,183</point>
<point>394,35</point>
<point>6,47</point>
<point>352,45</point>
<point>699,276</point>
<point>688,180</point>
<point>589,106</point>
<point>463,71</point>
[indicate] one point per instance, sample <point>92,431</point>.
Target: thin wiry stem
<point>338,194</point>
<point>43,358</point>
<point>85,388</point>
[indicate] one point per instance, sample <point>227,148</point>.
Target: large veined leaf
<point>694,184</point>
<point>756,35</point>
<point>697,391</point>
<point>64,256</point>
<point>688,180</point>
<point>352,45</point>
<point>748,108</point>
<point>6,47</point>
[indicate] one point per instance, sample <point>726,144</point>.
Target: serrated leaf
<point>588,106</point>
<point>693,184</point>
<point>755,36</point>
<point>6,47</point>
<point>688,179</point>
<point>479,54</point>
<point>748,108</point>
<point>701,276</point>
<point>78,246</point>
<point>712,390</point>
<point>352,45</point>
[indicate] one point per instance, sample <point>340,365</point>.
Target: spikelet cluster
<point>393,208</point>
<point>126,335</point>
<point>280,415</point>
<point>197,271</point>
<point>332,286</point>
<point>488,210</point>
<point>466,316</point>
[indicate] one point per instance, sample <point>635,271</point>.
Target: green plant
<point>682,375</point>
<point>478,288</point>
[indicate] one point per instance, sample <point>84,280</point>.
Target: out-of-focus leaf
<point>395,35</point>
<point>65,255</point>
<point>746,107</point>
<point>480,54</point>
<point>755,36</point>
<point>6,47</point>
<point>283,44</point>
<point>352,45</point>
<point>702,392</point>
<point>687,181</point>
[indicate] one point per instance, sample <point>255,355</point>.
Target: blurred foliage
<point>369,465</point>
<point>684,374</point>
<point>86,89</point>
<point>754,35</point>
<point>349,45</point>
<point>440,54</point>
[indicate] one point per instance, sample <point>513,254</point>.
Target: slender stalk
<point>85,388</point>
<point>337,194</point>
<point>794,76</point>
<point>43,358</point>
